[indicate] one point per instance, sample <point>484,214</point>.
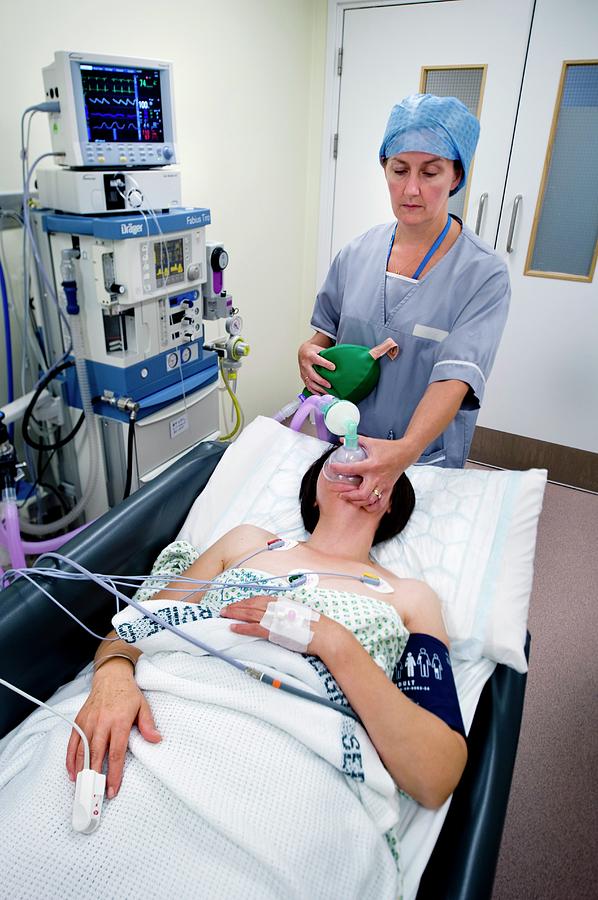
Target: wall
<point>249,98</point>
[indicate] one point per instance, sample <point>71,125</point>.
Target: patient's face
<point>323,492</point>
<point>327,497</point>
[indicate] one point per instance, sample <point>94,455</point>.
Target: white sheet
<point>206,812</point>
<point>418,827</point>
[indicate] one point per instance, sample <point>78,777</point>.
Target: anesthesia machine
<point>126,282</point>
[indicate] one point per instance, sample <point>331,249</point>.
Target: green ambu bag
<point>357,369</point>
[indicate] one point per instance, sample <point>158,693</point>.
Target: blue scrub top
<point>448,326</point>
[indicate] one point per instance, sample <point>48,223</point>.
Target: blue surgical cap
<point>428,124</point>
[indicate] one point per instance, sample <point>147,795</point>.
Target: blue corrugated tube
<point>8,343</point>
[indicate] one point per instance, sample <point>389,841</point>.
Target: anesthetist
<point>429,283</point>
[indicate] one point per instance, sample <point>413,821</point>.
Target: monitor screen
<point>114,111</point>
<point>122,104</point>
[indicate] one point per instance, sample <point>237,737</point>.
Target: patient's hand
<point>326,632</point>
<point>114,705</point>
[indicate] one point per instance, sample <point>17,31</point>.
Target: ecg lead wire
<point>211,651</point>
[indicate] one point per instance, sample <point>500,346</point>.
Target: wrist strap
<point>98,663</point>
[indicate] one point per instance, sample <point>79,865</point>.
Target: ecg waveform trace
<point>106,93</point>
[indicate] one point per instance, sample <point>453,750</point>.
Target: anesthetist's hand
<point>386,461</point>
<point>328,635</point>
<point>309,355</point>
<point>114,705</point>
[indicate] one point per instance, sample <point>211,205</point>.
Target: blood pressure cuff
<point>425,675</point>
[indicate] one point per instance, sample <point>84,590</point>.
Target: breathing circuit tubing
<point>73,328</point>
<point>70,289</point>
<point>109,582</point>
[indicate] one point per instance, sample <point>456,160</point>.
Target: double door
<point>529,72</point>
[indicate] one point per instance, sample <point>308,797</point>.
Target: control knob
<point>219,259</point>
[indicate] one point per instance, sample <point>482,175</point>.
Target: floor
<point>549,847</point>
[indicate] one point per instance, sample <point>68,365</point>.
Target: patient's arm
<point>115,703</point>
<point>422,753</point>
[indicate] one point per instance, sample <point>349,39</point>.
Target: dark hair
<point>402,502</point>
<point>458,167</point>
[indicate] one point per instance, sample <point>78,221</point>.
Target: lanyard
<point>430,252</point>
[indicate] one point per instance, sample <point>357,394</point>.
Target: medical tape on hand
<point>288,621</point>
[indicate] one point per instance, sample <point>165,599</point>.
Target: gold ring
<point>377,493</point>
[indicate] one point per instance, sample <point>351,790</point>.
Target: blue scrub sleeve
<point>327,310</point>
<point>467,353</point>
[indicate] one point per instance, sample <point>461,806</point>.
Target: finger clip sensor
<point>287,621</point>
<point>89,794</point>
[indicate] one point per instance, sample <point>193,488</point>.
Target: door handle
<point>481,205</point>
<point>516,203</point>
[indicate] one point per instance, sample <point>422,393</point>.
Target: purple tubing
<point>315,402</point>
<point>10,536</point>
<point>52,543</point>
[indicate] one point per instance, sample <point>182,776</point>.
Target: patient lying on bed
<point>230,784</point>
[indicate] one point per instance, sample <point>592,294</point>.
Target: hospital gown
<point>447,325</point>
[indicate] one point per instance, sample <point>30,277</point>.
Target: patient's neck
<point>347,536</point>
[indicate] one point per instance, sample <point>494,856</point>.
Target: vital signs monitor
<point>114,111</point>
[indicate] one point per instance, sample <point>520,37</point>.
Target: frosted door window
<point>467,84</point>
<point>564,238</point>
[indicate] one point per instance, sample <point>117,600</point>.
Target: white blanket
<point>246,796</point>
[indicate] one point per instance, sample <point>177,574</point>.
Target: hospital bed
<point>40,657</point>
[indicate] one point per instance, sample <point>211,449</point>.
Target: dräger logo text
<point>129,228</point>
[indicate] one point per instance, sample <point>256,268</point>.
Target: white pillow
<point>471,537</point>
